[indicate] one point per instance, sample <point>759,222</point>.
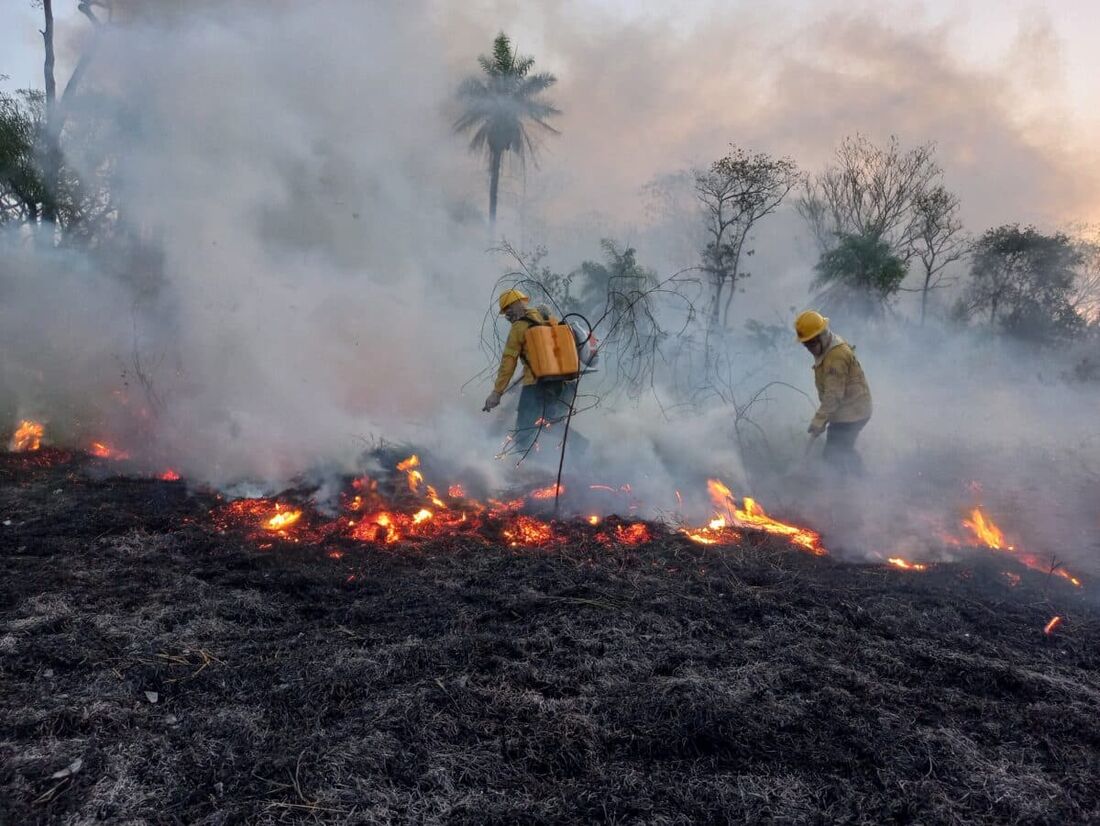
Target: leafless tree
<point>1086,294</point>
<point>870,191</point>
<point>57,110</point>
<point>938,239</point>
<point>736,192</point>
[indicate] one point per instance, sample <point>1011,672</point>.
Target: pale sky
<point>1047,52</point>
<point>983,32</point>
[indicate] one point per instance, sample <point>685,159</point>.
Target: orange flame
<point>751,515</point>
<point>754,516</point>
<point>103,450</point>
<point>548,492</point>
<point>525,530</point>
<point>1050,626</point>
<point>27,437</point>
<point>898,562</point>
<point>715,532</point>
<point>170,475</point>
<point>988,533</point>
<point>412,475</point>
<point>384,521</point>
<point>702,539</point>
<point>282,520</point>
<point>986,530</point>
<point>636,533</point>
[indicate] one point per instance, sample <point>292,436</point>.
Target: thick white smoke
<point>320,271</point>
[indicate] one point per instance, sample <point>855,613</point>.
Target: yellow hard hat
<point>810,324</point>
<point>510,297</point>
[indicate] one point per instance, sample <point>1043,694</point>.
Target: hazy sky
<point>1009,88</point>
<point>983,32</point>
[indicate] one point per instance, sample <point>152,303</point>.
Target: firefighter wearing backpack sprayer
<point>549,374</point>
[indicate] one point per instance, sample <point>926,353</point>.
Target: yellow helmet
<point>510,297</point>
<point>810,324</point>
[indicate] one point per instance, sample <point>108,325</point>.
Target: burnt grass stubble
<point>200,679</point>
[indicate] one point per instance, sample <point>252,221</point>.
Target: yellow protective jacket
<point>513,349</point>
<point>841,386</point>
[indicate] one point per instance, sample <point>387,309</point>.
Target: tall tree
<point>56,109</point>
<point>870,191</point>
<point>1026,281</point>
<point>938,239</point>
<point>1086,298</point>
<point>736,191</point>
<point>21,189</point>
<point>498,105</point>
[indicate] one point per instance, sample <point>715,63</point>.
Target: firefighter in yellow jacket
<point>841,387</point>
<point>541,404</point>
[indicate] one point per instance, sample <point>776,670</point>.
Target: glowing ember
<point>362,520</point>
<point>548,492</point>
<point>898,562</point>
<point>105,451</point>
<point>27,437</point>
<point>498,508</point>
<point>701,539</point>
<point>282,520</point>
<point>714,533</point>
<point>388,532</point>
<point>1050,626</point>
<point>525,530</point>
<point>456,492</point>
<point>1013,579</point>
<point>169,476</point>
<point>636,533</point>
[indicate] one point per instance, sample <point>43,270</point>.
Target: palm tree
<point>497,106</point>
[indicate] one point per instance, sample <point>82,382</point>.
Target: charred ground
<point>182,675</point>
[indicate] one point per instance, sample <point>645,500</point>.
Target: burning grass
<point>190,675</point>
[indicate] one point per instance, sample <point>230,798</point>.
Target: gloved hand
<point>491,401</point>
<point>815,429</point>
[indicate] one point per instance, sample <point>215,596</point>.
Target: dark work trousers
<point>840,447</point>
<point>543,409</point>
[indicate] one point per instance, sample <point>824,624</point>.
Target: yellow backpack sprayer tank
<point>551,352</point>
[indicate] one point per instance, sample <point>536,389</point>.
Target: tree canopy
<point>499,105</point>
<point>861,273</point>
<point>1025,282</point>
